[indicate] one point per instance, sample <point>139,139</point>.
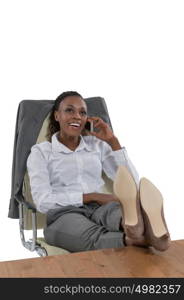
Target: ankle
<point>141,241</point>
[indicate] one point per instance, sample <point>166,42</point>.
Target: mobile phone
<point>89,126</point>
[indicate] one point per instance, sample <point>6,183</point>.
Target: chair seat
<point>51,250</point>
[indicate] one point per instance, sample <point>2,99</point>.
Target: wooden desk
<point>106,263</point>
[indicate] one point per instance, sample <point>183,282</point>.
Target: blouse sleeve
<point>112,159</point>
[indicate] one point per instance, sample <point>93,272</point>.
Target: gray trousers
<point>88,227</point>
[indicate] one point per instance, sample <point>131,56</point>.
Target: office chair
<point>31,128</point>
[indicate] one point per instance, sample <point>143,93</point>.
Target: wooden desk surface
<point>106,263</point>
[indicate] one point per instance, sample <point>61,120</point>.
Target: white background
<point>129,52</point>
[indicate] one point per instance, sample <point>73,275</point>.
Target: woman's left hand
<point>103,132</point>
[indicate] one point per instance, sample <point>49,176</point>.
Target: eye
<point>84,113</point>
<point>69,110</point>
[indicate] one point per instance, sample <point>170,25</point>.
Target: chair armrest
<point>28,205</point>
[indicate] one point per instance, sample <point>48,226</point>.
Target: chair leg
<point>31,244</point>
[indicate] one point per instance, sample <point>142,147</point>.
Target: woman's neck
<point>71,142</point>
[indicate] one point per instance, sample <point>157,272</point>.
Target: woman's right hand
<point>100,198</point>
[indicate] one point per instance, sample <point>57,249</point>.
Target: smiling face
<point>72,116</point>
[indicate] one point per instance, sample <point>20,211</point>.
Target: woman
<point>66,184</point>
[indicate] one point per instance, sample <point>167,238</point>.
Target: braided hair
<point>53,124</point>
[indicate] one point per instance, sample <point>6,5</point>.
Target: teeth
<point>75,124</point>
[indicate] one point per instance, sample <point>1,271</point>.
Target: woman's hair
<point>53,124</point>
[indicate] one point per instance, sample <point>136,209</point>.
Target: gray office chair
<point>31,128</point>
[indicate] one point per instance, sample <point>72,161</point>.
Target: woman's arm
<point>114,155</point>
<point>100,198</point>
<point>114,143</point>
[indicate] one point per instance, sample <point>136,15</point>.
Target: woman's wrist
<point>100,198</point>
<point>114,143</point>
<point>90,197</point>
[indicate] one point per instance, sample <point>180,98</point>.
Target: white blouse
<point>60,176</point>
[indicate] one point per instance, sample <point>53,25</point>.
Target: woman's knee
<point>75,233</point>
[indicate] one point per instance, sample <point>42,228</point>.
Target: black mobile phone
<point>89,126</point>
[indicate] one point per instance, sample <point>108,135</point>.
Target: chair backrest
<point>96,107</point>
<point>41,218</point>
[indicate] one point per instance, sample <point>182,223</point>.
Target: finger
<point>99,122</point>
<point>94,118</point>
<point>101,125</point>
